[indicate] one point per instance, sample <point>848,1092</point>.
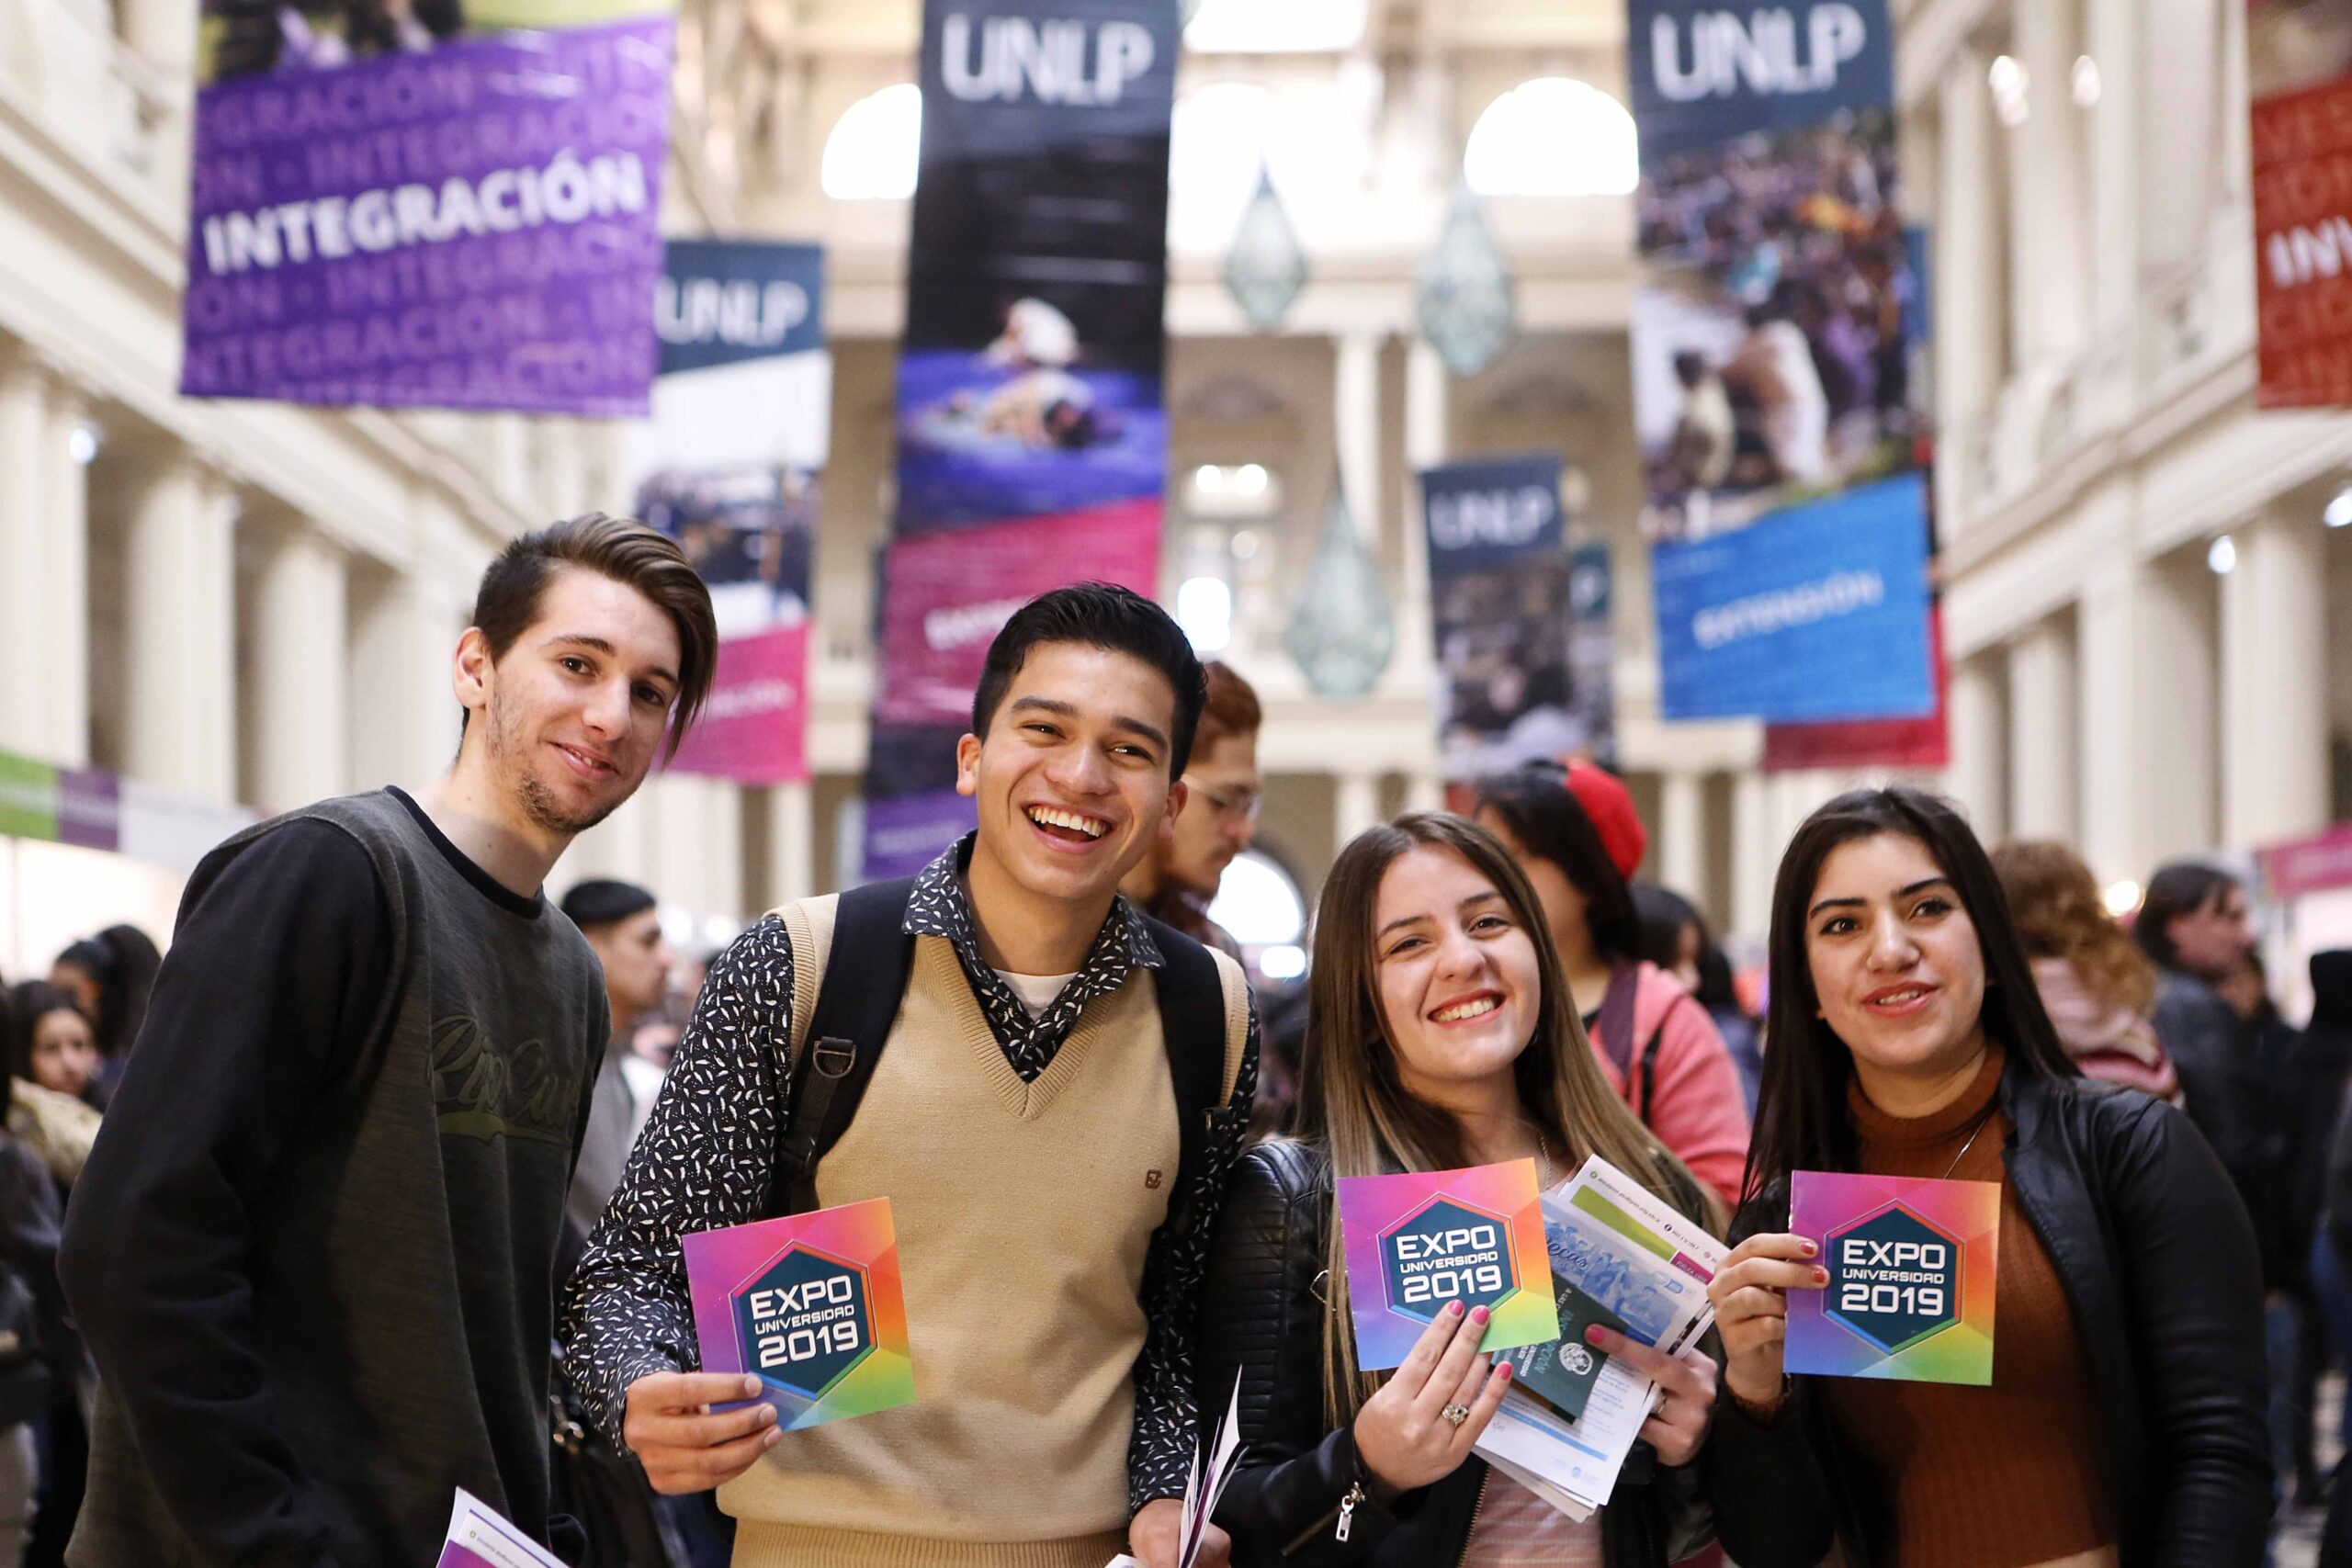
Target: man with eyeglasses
<point>1177,879</point>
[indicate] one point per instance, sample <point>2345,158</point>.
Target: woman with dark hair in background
<point>111,975</point>
<point>2097,988</point>
<point>1440,1035</point>
<point>2124,1421</point>
<point>1675,938</point>
<point>51,1049</point>
<point>1657,1044</point>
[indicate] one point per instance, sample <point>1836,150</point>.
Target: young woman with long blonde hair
<point>1439,1034</point>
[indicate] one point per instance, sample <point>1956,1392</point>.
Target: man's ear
<point>1178,794</point>
<point>968,765</point>
<point>472,671</point>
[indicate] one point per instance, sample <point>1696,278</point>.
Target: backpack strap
<point>865,978</point>
<point>1196,1029</point>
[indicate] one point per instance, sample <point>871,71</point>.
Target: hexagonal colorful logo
<point>802,1320</point>
<point>1446,1252</point>
<point>813,1303</point>
<point>1894,1279</point>
<point>1418,1242</point>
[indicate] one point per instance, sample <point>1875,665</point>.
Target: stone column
<point>1428,396</point>
<point>1968,297</point>
<point>300,655</point>
<point>2047,212</point>
<point>2043,773</point>
<point>26,628</point>
<point>1355,806</point>
<point>403,635</point>
<point>1755,855</point>
<point>66,521</point>
<point>2146,691</point>
<point>1979,759</point>
<point>2274,718</point>
<point>1355,429</point>
<point>1683,833</point>
<point>792,843</point>
<point>179,720</point>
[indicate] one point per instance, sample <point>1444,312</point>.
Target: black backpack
<point>857,1001</point>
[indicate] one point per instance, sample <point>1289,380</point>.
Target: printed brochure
<point>1647,1266</point>
<point>810,1302</point>
<point>480,1537</point>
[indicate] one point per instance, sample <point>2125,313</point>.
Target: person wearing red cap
<point>1610,805</point>
<point>1655,1042</point>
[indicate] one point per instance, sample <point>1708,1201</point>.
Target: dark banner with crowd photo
<point>1032,441</point>
<point>1774,328</point>
<point>444,204</point>
<point>1525,653</point>
<point>2298,66</point>
<point>729,466</point>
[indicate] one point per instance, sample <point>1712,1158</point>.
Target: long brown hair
<point>1353,1108</point>
<point>2060,914</point>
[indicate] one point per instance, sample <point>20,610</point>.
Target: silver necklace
<point>1981,1120</point>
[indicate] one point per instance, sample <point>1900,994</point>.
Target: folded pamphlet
<point>1205,1487</point>
<point>480,1537</point>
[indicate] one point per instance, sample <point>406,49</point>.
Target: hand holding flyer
<point>1912,1269</point>
<point>812,1303</point>
<point>1418,1242</point>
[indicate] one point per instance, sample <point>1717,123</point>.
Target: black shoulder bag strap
<point>857,1001</point>
<point>1191,1027</point>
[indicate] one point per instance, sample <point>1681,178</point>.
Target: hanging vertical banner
<point>1773,331</point>
<point>1523,647</point>
<point>2298,67</point>
<point>428,205</point>
<point>1032,443</point>
<point>729,467</point>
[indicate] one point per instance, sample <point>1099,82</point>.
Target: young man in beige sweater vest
<point>1022,1120</point>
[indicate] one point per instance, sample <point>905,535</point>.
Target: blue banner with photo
<point>1704,74</point>
<point>1524,652</point>
<point>1817,612</point>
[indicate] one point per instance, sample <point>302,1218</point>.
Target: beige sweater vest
<point>1023,1212</point>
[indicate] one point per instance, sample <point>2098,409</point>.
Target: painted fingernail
<point>1811,1247</point>
<point>1593,1333</point>
<point>1479,1315</point>
<point>1454,1308</point>
<point>1821,1276</point>
<point>1502,1370</point>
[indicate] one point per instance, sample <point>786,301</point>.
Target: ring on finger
<point>1455,1415</point>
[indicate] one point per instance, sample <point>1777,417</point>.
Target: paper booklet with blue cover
<point>1622,1259</point>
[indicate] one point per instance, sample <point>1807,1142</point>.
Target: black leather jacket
<point>2158,1264</point>
<point>1262,1314</point>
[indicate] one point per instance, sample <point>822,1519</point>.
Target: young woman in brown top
<point>2123,1425</point>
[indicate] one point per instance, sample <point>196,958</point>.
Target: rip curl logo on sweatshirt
<point>484,1088</point>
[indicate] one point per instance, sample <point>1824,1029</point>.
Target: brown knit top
<point>1996,1477</point>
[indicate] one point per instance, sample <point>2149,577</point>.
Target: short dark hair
<point>1544,815</point>
<point>631,554</point>
<point>604,901</point>
<point>123,961</point>
<point>1103,616</point>
<point>2179,888</point>
<point>1231,706</point>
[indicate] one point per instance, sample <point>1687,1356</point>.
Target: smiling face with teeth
<point>1458,980</point>
<point>1073,787</point>
<point>1897,970</point>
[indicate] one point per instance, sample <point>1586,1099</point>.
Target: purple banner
<point>471,226</point>
<point>89,808</point>
<point>905,834</point>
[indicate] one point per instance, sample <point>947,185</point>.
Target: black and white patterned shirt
<point>704,1156</point>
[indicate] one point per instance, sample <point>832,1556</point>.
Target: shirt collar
<point>941,907</point>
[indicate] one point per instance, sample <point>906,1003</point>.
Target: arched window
<point>875,147</point>
<point>1261,907</point>
<point>1553,136</point>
